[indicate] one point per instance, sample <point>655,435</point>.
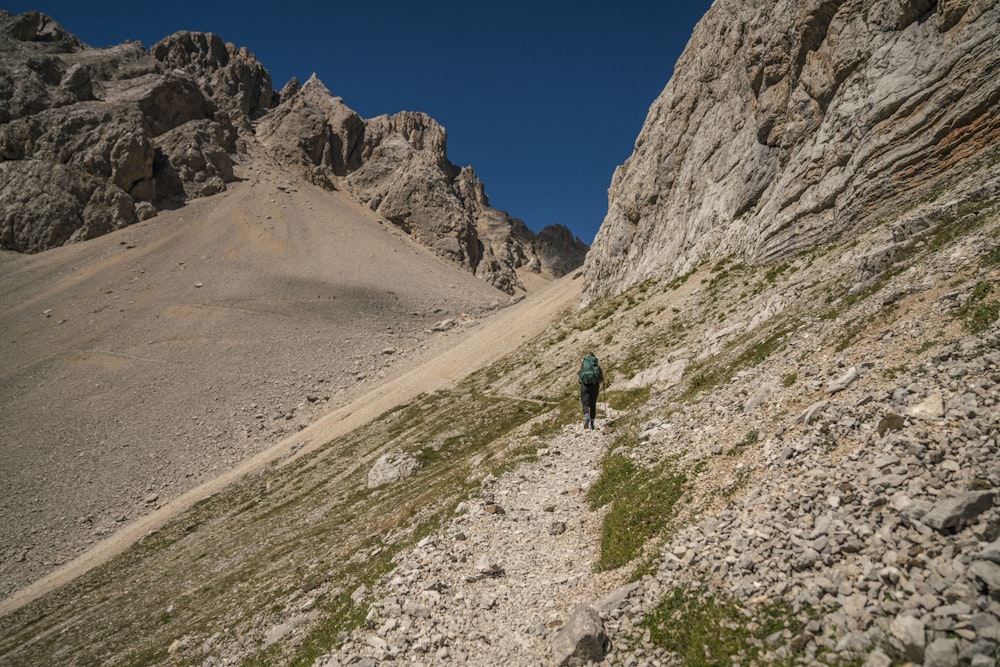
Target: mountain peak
<point>182,115</point>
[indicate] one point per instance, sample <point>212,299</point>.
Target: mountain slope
<point>798,463</point>
<point>94,140</point>
<point>796,419</point>
<point>150,360</point>
<point>398,166</point>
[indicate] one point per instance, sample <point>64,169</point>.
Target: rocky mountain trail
<point>297,436</point>
<point>847,485</point>
<point>498,581</point>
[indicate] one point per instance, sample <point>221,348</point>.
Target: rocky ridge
<point>789,124</point>
<point>398,166</point>
<point>93,140</point>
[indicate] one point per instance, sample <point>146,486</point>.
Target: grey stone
<point>616,598</point>
<point>391,467</point>
<point>987,626</point>
<point>581,640</point>
<point>842,382</point>
<point>812,412</point>
<point>988,573</point>
<point>941,652</point>
<point>909,633</point>
<point>931,407</point>
<point>991,551</point>
<point>951,513</point>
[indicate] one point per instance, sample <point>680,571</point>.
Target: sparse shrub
<point>750,438</point>
<point>703,630</point>
<point>992,258</point>
<point>789,379</point>
<point>679,280</point>
<point>775,272</point>
<point>623,400</point>
<point>977,314</point>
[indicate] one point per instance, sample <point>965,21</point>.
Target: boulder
<point>582,640</point>
<point>951,513</point>
<point>391,467</point>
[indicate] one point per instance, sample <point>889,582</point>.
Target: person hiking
<point>591,376</point>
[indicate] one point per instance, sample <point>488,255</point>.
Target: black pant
<point>588,396</point>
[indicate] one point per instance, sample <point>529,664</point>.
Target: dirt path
<point>495,337</point>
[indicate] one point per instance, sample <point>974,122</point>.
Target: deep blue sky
<point>543,99</point>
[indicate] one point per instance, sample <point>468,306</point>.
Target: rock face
<point>787,124</point>
<point>96,139</point>
<point>92,140</point>
<point>398,166</point>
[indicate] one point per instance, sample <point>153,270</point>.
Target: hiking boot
<point>586,424</point>
<point>593,425</point>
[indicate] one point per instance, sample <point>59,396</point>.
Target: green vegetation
<point>708,374</point>
<point>750,438</point>
<point>680,280</point>
<point>340,613</point>
<point>642,505</point>
<point>789,379</point>
<point>978,313</point>
<point>567,411</point>
<point>775,272</point>
<point>992,258</point>
<point>708,631</point>
<point>624,400</point>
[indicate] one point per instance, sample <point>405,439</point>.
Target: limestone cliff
<point>92,140</point>
<point>787,124</point>
<point>398,166</point>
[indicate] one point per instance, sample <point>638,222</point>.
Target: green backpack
<point>590,373</point>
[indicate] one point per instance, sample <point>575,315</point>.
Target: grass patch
<point>789,379</point>
<point>709,374</point>
<point>978,314</point>
<point>642,503</point>
<point>992,258</point>
<point>567,411</point>
<point>775,272</point>
<point>630,398</point>
<point>340,614</point>
<point>680,280</point>
<point>707,631</point>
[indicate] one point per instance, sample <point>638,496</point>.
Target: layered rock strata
<point>788,124</point>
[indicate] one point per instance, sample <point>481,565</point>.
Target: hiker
<point>591,376</point>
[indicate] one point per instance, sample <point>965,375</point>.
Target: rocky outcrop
<point>230,76</point>
<point>787,124</point>
<point>398,166</point>
<point>93,140</point>
<point>314,131</point>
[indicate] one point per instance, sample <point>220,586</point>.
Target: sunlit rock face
<point>787,124</point>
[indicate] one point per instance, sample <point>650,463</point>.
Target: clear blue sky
<point>543,99</point>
